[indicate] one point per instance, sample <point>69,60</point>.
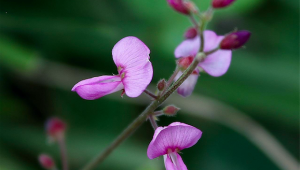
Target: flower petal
<point>130,52</point>
<point>211,40</point>
<point>171,166</point>
<point>217,64</point>
<point>137,79</point>
<point>189,47</point>
<point>97,87</point>
<point>173,137</point>
<point>187,87</point>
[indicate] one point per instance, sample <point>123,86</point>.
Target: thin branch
<point>153,122</point>
<point>212,51</point>
<point>63,153</point>
<point>171,79</point>
<point>149,93</point>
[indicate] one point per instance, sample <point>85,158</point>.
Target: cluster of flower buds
<point>55,129</point>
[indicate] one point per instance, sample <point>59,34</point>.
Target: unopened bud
<point>191,7</point>
<point>55,128</point>
<point>161,84</point>
<point>170,110</point>
<point>185,62</point>
<point>46,161</point>
<point>235,40</point>
<point>191,33</point>
<point>179,6</point>
<point>221,3</point>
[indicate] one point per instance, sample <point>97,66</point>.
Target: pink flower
<point>168,141</point>
<point>131,57</point>
<point>215,64</point>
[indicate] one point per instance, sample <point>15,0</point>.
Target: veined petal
<point>97,87</point>
<point>172,164</point>
<point>187,87</point>
<point>173,137</point>
<point>137,79</point>
<point>189,47</point>
<point>130,52</point>
<point>217,63</point>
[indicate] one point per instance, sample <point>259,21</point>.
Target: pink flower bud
<point>161,85</point>
<point>221,3</point>
<point>55,128</point>
<point>185,62</point>
<point>46,161</point>
<point>235,40</point>
<point>191,33</point>
<point>179,6</point>
<point>170,110</point>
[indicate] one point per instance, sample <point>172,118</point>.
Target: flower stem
<point>153,122</point>
<point>149,93</point>
<point>212,51</point>
<point>63,153</point>
<point>143,116</point>
<point>171,79</point>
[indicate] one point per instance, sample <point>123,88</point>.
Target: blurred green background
<point>48,46</point>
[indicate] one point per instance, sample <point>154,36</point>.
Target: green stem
<point>153,122</point>
<point>149,93</point>
<point>144,115</point>
<point>63,153</point>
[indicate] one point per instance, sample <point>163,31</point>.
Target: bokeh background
<point>48,46</point>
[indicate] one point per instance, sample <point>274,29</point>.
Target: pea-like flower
<point>168,141</point>
<point>131,57</point>
<point>215,64</point>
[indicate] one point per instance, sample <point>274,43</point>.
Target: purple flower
<point>215,64</point>
<point>168,141</point>
<point>131,57</point>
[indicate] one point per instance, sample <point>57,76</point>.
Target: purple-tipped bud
<point>235,40</point>
<point>170,110</point>
<point>55,128</point>
<point>46,161</point>
<point>191,33</point>
<point>161,85</point>
<point>179,6</point>
<point>221,3</point>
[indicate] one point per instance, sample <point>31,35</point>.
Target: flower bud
<point>221,3</point>
<point>191,7</point>
<point>161,85</point>
<point>235,40</point>
<point>170,110</point>
<point>179,6</point>
<point>191,33</point>
<point>46,161</point>
<point>55,128</point>
<point>185,62</point>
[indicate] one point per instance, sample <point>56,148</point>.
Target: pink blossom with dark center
<point>131,57</point>
<point>215,64</point>
<point>168,141</point>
